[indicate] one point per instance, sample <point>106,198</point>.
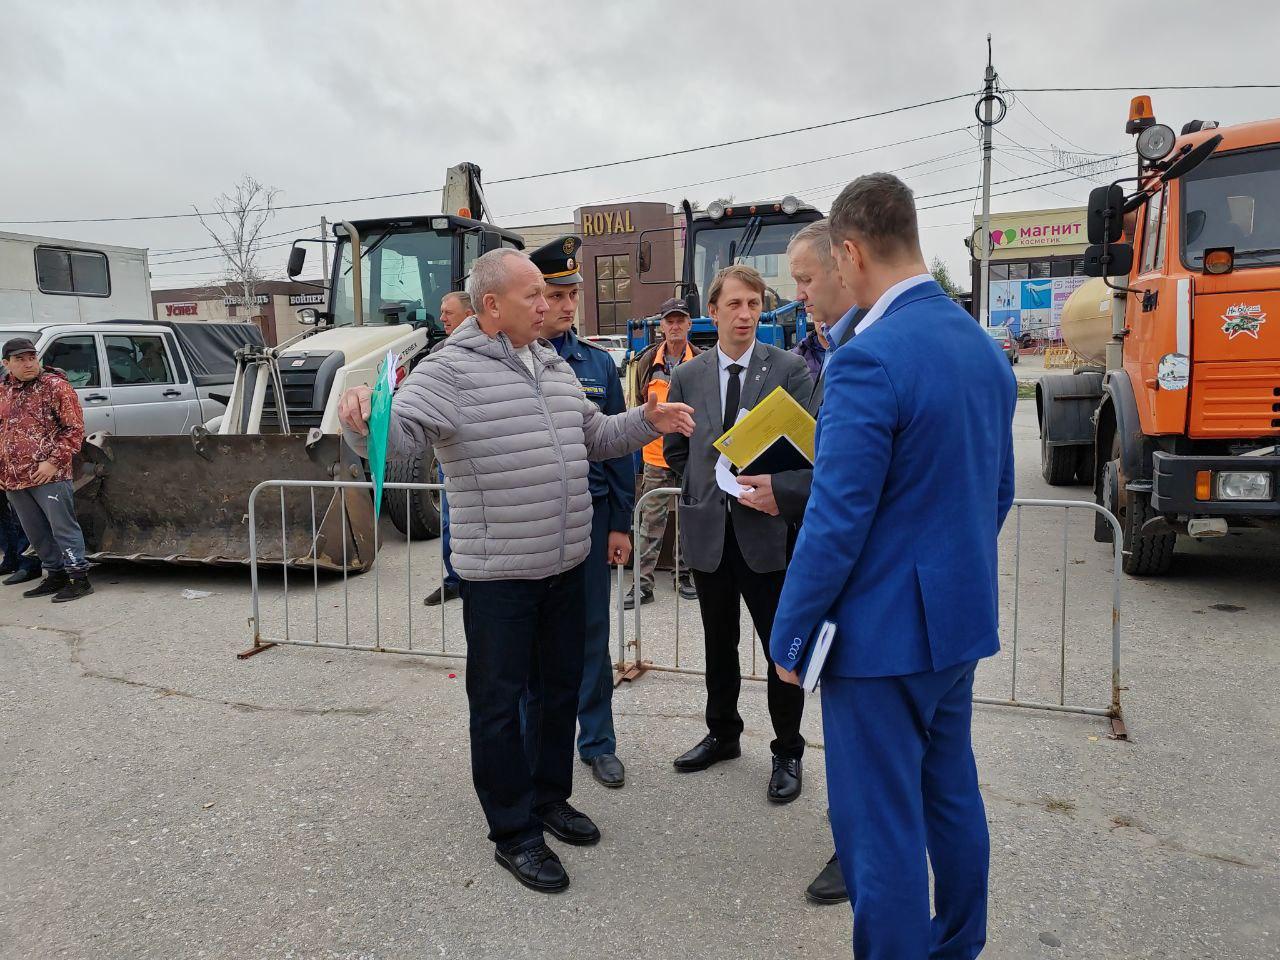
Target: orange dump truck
<point>1175,416</point>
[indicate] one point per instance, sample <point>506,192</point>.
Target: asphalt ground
<point>161,798</point>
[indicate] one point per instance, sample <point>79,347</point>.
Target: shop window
<point>999,271</point>
<point>1060,268</point>
<point>1037,269</point>
<point>80,273</point>
<point>1018,271</point>
<point>613,293</point>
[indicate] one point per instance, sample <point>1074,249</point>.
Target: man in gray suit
<point>735,552</point>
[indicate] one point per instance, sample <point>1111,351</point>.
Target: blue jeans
<point>13,541</point>
<point>903,789</point>
<point>450,577</point>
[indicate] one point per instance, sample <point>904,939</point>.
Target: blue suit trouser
<point>596,735</point>
<point>903,788</point>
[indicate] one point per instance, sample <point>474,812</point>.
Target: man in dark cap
<point>612,487</point>
<point>654,368</point>
<point>41,429</point>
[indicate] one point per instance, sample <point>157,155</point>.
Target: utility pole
<point>984,272</point>
<point>324,250</point>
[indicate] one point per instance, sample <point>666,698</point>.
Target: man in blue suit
<point>913,480</point>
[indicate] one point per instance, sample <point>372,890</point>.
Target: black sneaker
<point>568,824</point>
<point>538,868</point>
<point>629,601</point>
<point>22,575</point>
<point>686,589</point>
<point>52,583</point>
<point>76,588</point>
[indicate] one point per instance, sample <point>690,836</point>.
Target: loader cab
<point>407,266</point>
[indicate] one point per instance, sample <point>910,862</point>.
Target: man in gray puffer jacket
<point>514,433</point>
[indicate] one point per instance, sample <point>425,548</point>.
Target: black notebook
<point>782,455</point>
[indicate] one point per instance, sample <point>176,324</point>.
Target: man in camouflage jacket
<point>41,428</point>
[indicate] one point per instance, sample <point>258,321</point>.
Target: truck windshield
<point>1233,200</point>
<point>768,254</point>
<point>404,275</point>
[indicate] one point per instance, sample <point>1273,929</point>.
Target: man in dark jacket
<point>612,485</point>
<point>41,429</point>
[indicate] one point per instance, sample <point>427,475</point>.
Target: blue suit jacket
<point>913,480</point>
<point>598,374</point>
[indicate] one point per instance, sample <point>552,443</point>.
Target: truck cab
<point>1184,414</point>
<point>755,234</point>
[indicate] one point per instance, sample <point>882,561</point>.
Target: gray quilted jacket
<point>515,452</point>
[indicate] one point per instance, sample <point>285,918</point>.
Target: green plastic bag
<point>380,427</point>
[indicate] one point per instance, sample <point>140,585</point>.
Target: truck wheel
<point>1085,467</point>
<point>1058,465</point>
<point>421,519</point>
<point>1144,555</point>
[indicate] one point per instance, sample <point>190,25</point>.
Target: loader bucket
<point>185,500</point>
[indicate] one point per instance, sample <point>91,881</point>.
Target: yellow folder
<point>777,416</point>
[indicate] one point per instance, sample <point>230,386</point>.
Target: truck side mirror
<point>646,256</point>
<point>1119,264</point>
<point>307,316</point>
<point>1106,214</point>
<point>297,257</point>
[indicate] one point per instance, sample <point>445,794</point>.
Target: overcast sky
<point>134,108</point>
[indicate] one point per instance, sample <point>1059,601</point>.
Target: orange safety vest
<point>659,385</point>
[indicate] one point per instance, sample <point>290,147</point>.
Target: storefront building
<point>273,307</point>
<point>1037,262</point>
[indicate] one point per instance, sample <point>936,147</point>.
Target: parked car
<point>616,344</point>
<point>1004,338</point>
<point>142,378</point>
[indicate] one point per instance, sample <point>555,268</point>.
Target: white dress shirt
<point>887,298</point>
<point>725,362</point>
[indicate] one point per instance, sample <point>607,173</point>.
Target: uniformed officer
<point>612,485</point>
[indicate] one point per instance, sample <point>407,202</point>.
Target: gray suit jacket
<point>791,489</point>
<point>762,538</point>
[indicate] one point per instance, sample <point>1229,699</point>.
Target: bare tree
<point>236,225</point>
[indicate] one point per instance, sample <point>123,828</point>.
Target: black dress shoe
<point>784,785</point>
<point>629,601</point>
<point>828,887</point>
<point>538,868</point>
<point>441,595</point>
<point>21,576</point>
<point>709,750</point>
<point>608,770</point>
<point>570,825</point>
<point>51,584</point>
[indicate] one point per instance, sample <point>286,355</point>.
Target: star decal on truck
<point>1242,319</point>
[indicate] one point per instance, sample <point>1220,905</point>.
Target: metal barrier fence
<point>398,644</point>
<point>630,657</point>
<point>639,663</point>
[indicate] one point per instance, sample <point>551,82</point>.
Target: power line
<point>531,176</point>
<point>1003,193</point>
<point>1149,86</point>
<point>213,246</point>
<point>739,176</point>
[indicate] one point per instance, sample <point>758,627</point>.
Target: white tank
<point>1086,320</point>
